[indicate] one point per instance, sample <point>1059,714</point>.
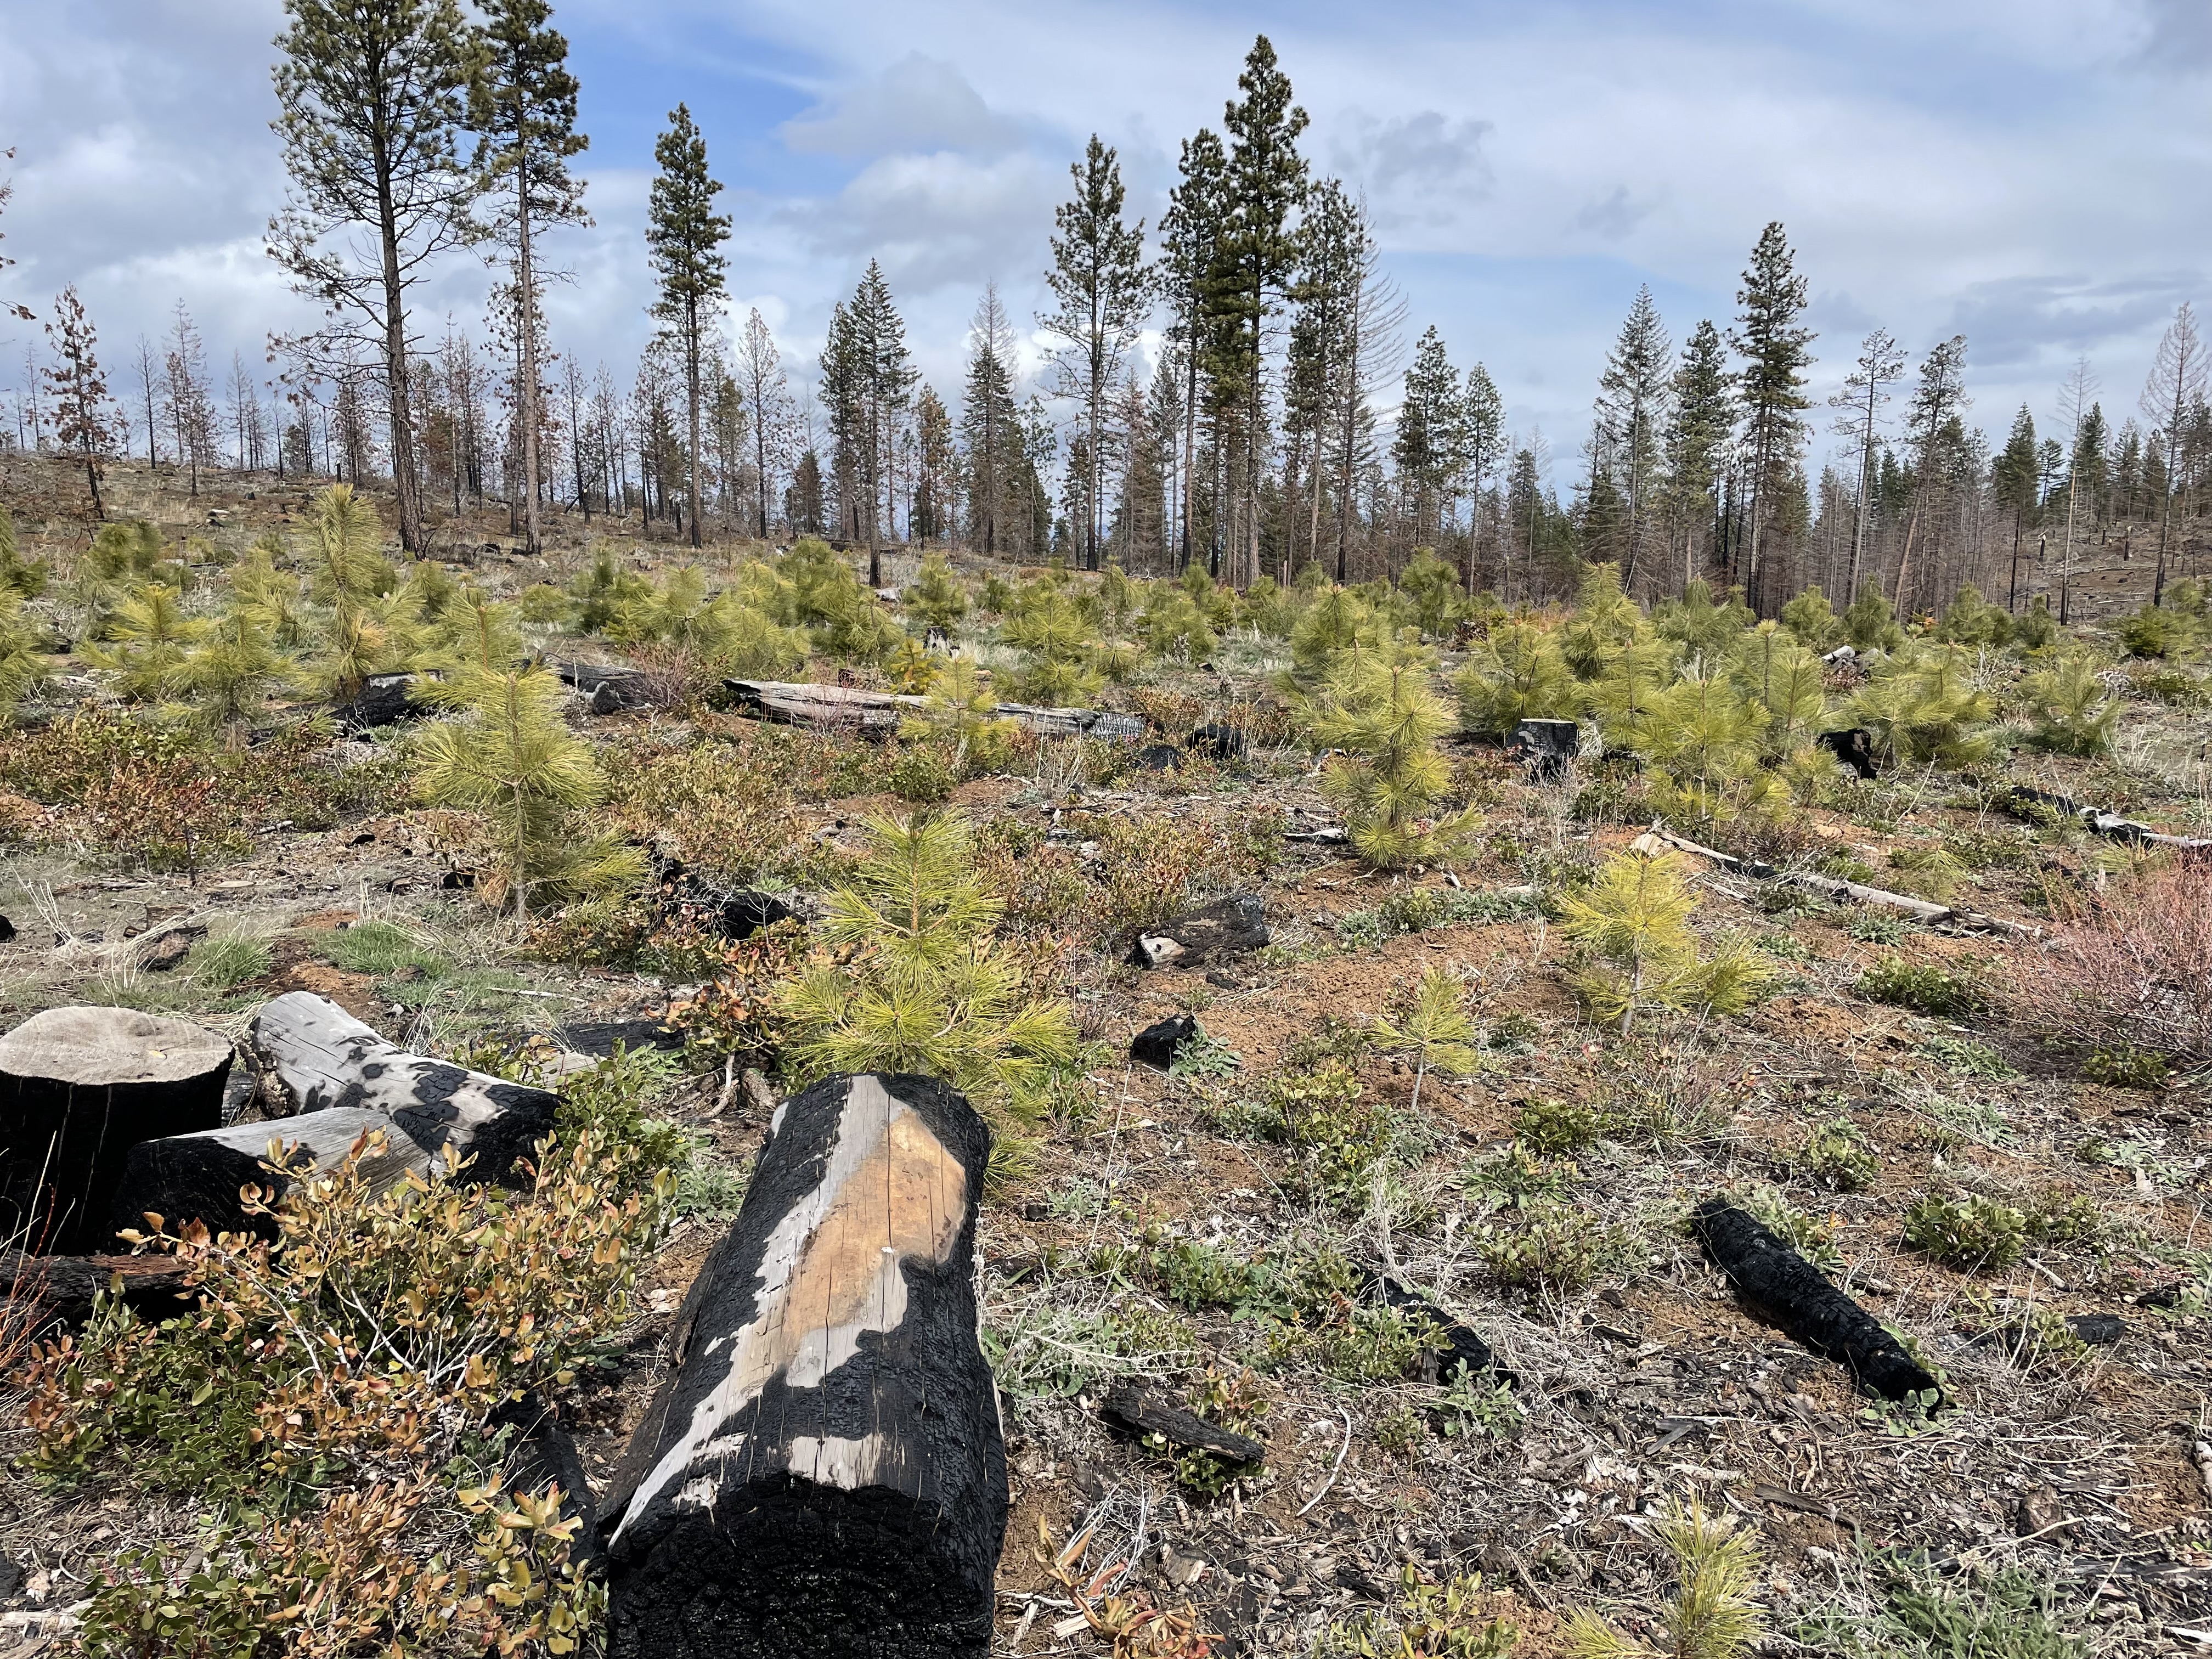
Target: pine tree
<point>1631,414</point>
<point>147,636</point>
<point>936,596</point>
<point>507,756</point>
<point>2175,387</point>
<point>372,98</point>
<point>1775,345</point>
<point>1098,277</point>
<point>1515,673</point>
<point>83,421</point>
<point>683,242</point>
<point>1934,428</point>
<point>1712,1613</point>
<point>1481,445</point>
<point>1054,637</point>
<point>234,667</point>
<point>523,101</point>
<point>990,428</point>
<point>767,395</point>
<point>2072,711</point>
<point>1190,251</point>
<point>2013,486</point>
<point>1859,418</point>
<point>935,515</point>
<point>1698,435</point>
<point>1634,922</point>
<point>1921,706</point>
<point>923,987</point>
<point>881,380</point>
<point>24,578</point>
<point>1428,422</point>
<point>21,666</point>
<point>1377,709</point>
<point>1435,1029</point>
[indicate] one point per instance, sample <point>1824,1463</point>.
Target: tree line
<point>1257,438</point>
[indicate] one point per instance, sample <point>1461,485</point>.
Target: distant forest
<point>1285,417</point>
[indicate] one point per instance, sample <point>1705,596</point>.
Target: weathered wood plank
<point>823,1471</point>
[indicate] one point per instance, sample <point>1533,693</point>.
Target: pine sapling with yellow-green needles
<point>1338,621</point>
<point>1435,1029</point>
<point>923,987</point>
<point>147,636</point>
<point>1516,674</point>
<point>1605,619</point>
<point>26,578</point>
<point>1054,636</point>
<point>21,668</point>
<point>234,668</point>
<point>346,540</point>
<point>1633,922</point>
<point>1786,682</point>
<point>1389,781</point>
<point>2073,713</point>
<point>962,709</point>
<point>1703,736</point>
<point>936,596</point>
<point>1922,707</point>
<point>507,756</point>
<point>1712,1613</point>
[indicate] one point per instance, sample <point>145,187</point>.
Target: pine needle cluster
<point>1517,674</point>
<point>1390,779</point>
<point>921,986</point>
<point>1435,1029</point>
<point>2072,711</point>
<point>1712,1613</point>
<point>1633,924</point>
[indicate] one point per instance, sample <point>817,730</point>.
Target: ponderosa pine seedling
<point>1515,674</point>
<point>1711,1614</point>
<point>1633,921</point>
<point>936,596</point>
<point>1390,779</point>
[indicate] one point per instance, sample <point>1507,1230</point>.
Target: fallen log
<point>323,1058</point>
<point>1156,1045</point>
<point>2099,821</point>
<point>199,1178</point>
<point>59,1289</point>
<point>541,1452</point>
<point>1455,1344</point>
<point>1852,747</point>
<point>1143,1412</point>
<point>383,699</point>
<point>822,1470</point>
<point>609,690</point>
<point>1835,889</point>
<point>1228,926</point>
<point>1779,1286</point>
<point>879,713</point>
<point>79,1087</point>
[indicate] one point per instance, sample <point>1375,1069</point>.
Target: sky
<point>2033,174</point>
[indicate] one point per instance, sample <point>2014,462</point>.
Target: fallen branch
<point>1835,889</point>
<point>2100,822</point>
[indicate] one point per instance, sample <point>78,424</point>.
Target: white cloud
<point>917,104</point>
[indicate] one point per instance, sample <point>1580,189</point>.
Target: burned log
<point>60,1289</point>
<point>2021,800</point>
<point>877,714</point>
<point>1547,746</point>
<point>323,1058</point>
<point>200,1177</point>
<point>1156,1045</point>
<point>79,1087</point>
<point>1454,1344</point>
<point>1834,888</point>
<point>383,699</point>
<point>1779,1286</point>
<point>822,1471</point>
<point>1854,748</point>
<point>609,691</point>
<point>1226,927</point>
<point>1143,1412</point>
<point>1218,741</point>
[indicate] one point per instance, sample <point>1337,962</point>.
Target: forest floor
<point>2062,1477</point>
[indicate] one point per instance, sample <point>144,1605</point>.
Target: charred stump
<point>1854,748</point>
<point>1228,927</point>
<point>323,1058</point>
<point>822,1471</point>
<point>1779,1286</point>
<point>79,1087</point>
<point>1547,746</point>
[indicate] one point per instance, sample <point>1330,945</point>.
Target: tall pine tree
<point>1702,422</point>
<point>683,240</point>
<point>1771,335</point>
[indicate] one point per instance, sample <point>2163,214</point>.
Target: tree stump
<point>822,1471</point>
<point>197,1177</point>
<point>1546,746</point>
<point>1225,928</point>
<point>79,1087</point>
<point>323,1058</point>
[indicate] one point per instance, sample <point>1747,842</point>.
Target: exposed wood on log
<point>1780,1285</point>
<point>79,1087</point>
<point>1834,888</point>
<point>879,713</point>
<point>1226,927</point>
<point>1142,1412</point>
<point>198,1177</point>
<point>822,1471</point>
<point>323,1057</point>
<point>2100,822</point>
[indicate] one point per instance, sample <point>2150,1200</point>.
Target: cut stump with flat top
<point>323,1058</point>
<point>79,1087</point>
<point>822,1472</point>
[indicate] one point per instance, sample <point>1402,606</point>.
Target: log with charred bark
<point>822,1470</point>
<point>203,1178</point>
<point>322,1057</point>
<point>1779,1286</point>
<point>1143,1412</point>
<point>79,1087</point>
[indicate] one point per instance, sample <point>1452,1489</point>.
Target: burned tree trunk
<point>200,1177</point>
<point>325,1058</point>
<point>79,1087</point>
<point>822,1471</point>
<point>1781,1286</point>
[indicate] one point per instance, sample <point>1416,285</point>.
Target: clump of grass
<point>224,962</point>
<point>1973,1234</point>
<point>1921,987</point>
<point>383,949</point>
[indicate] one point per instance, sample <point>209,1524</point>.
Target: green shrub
<point>1875,928</point>
<point>1965,1058</point>
<point>2124,1066</point>
<point>1550,1127</point>
<point>920,774</point>
<point>1551,1250</point>
<point>1339,1136</point>
<point>1922,987</point>
<point>1812,1238</point>
<point>1198,1276</point>
<point>1837,1155</point>
<point>1516,1176</point>
<point>1418,910</point>
<point>1973,1234</point>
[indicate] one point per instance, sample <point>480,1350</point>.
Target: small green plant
<point>1416,909</point>
<point>1634,923</point>
<point>1198,1276</point>
<point>1401,1431</point>
<point>1389,780</point>
<point>1550,1127</point>
<point>1927,1612</point>
<point>1813,1237</point>
<point>1973,1234</point>
<point>1965,1058</point>
<point>1434,1028</point>
<point>1836,1155</point>
<point>383,949</point>
<point>1234,1403</point>
<point>1341,1136</point>
<point>1875,928</point>
<point>1550,1249</point>
<point>2059,1218</point>
<point>1477,1407</point>
<point>1205,1056</point>
<point>2073,713</point>
<point>2124,1066</point>
<point>1426,1620</point>
<point>1922,987</point>
<point>227,961</point>
<point>1711,1613</point>
<point>920,774</point>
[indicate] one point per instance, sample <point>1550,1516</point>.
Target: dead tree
<point>822,1471</point>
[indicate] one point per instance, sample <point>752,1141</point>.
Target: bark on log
<point>1836,890</point>
<point>59,1289</point>
<point>323,1057</point>
<point>79,1087</point>
<point>198,1177</point>
<point>1225,928</point>
<point>879,713</point>
<point>1780,1285</point>
<point>2100,822</point>
<point>822,1472</point>
<point>382,700</point>
<point>609,690</point>
<point>1143,1412</point>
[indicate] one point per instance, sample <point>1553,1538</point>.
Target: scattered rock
<point>1156,1045</point>
<point>1227,927</point>
<point>2097,1330</point>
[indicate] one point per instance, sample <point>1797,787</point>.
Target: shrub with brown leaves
<point>2132,965</point>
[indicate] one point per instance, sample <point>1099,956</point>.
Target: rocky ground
<point>1157,1227</point>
